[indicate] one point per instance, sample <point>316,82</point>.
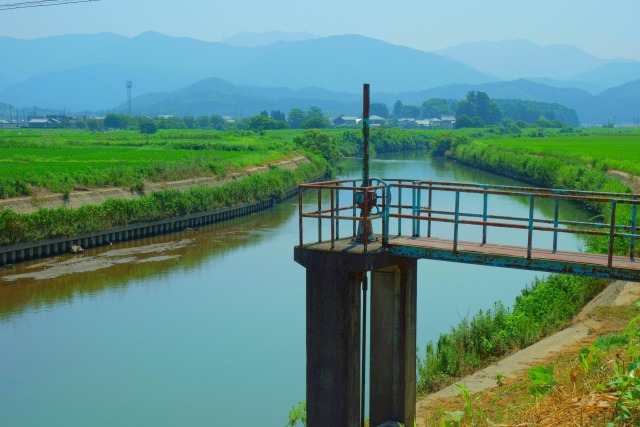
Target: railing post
<point>387,211</point>
<point>455,223</point>
<point>530,234</point>
<point>319,215</point>
<point>333,225</point>
<point>338,207</point>
<point>354,212</point>
<point>485,208</point>
<point>418,204</point>
<point>612,232</point>
<point>430,208</point>
<point>634,228</point>
<point>555,224</point>
<point>399,207</point>
<point>300,214</point>
<point>414,200</point>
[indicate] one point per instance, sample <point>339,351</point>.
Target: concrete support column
<point>393,343</point>
<point>333,344</point>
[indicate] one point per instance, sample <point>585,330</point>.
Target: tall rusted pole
<point>365,135</point>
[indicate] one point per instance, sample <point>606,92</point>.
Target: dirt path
<point>43,199</point>
<point>618,293</point>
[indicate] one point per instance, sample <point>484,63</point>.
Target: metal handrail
<point>418,214</point>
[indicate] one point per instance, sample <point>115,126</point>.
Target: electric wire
<point>40,3</point>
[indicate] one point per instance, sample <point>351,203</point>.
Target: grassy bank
<point>64,160</point>
<point>50,223</point>
<point>67,160</point>
<point>543,306</point>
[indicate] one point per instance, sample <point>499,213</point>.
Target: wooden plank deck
<point>516,257</point>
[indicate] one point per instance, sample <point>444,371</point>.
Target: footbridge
<point>354,236</point>
<point>360,236</point>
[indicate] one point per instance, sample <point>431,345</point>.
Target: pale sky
<point>604,28</point>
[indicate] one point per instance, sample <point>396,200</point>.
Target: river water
<point>207,332</point>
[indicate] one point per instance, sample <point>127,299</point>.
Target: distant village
<point>63,120</point>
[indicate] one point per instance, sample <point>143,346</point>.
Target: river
<point>209,332</point>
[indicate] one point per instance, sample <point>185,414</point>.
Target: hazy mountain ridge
<point>80,72</point>
<point>251,39</point>
<point>514,59</point>
<point>216,96</point>
<point>337,63</point>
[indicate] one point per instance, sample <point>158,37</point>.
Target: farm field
<point>616,151</point>
<point>62,160</point>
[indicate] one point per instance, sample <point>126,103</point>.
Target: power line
<point>40,3</point>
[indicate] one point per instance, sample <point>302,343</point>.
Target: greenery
<point>542,307</point>
<point>64,160</point>
<point>51,223</point>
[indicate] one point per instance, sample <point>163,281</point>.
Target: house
<point>434,123</point>
<point>9,125</point>
<point>346,120</point>
<point>377,121</point>
<point>407,123</point>
<point>447,121</point>
<point>42,122</point>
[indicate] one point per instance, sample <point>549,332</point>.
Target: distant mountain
<point>514,59</point>
<point>249,39</point>
<point>337,63</point>
<point>614,74</point>
<point>343,63</point>
<point>216,96</point>
<point>94,87</point>
<point>590,87</point>
<point>620,102</point>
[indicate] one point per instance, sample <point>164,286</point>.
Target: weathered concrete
<point>393,343</point>
<point>333,344</point>
<point>333,333</point>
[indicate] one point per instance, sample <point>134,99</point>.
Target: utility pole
<point>129,97</point>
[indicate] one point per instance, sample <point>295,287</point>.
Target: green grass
<point>62,160</point>
<point>608,151</point>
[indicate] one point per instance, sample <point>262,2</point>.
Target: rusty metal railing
<point>346,209</point>
<point>420,209</point>
<point>485,220</point>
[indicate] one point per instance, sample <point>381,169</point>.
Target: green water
<point>212,336</point>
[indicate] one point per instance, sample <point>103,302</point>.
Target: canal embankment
<point>37,227</point>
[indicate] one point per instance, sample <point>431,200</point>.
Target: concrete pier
<point>333,284</point>
<point>392,395</point>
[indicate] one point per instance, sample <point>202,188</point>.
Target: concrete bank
<point>44,248</point>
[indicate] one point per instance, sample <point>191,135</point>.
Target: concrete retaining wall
<point>43,248</point>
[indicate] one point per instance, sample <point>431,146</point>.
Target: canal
<point>204,327</point>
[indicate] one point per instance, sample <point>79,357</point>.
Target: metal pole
<point>555,224</point>
<point>612,231</point>
<point>634,224</point>
<point>365,135</point>
<point>530,234</point>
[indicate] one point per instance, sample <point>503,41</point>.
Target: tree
<point>379,109</point>
<point>261,122</point>
<point>116,121</point>
<point>218,122</point>
<point>398,109</point>
<point>189,122</point>
<point>296,117</point>
<point>148,127</point>
<point>321,143</point>
<point>315,122</point>
<point>203,122</point>
<point>264,113</point>
<point>435,107</point>
<point>278,115</point>
<point>411,111</point>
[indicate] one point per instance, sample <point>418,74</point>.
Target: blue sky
<point>606,29</point>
